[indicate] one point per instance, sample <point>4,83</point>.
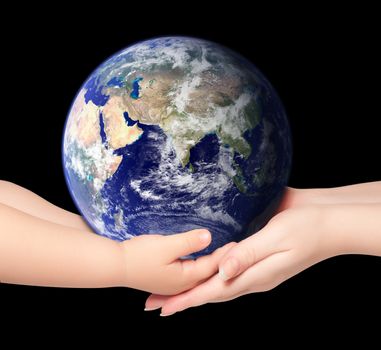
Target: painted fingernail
<point>151,308</point>
<point>229,269</point>
<point>205,237</point>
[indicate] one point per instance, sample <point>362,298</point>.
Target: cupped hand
<point>291,242</point>
<point>153,262</point>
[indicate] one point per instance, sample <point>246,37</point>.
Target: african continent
<point>173,134</point>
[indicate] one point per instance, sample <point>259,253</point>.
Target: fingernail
<point>205,237</point>
<point>222,275</point>
<point>229,269</point>
<point>165,315</point>
<point>151,308</point>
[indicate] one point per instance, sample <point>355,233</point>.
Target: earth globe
<point>173,134</point>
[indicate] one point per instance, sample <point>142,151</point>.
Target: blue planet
<point>173,134</point>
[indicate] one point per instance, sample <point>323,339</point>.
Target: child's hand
<point>311,226</point>
<point>291,242</point>
<point>153,264</point>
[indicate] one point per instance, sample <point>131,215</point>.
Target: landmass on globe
<point>173,134</point>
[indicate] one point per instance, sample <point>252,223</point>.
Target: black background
<point>324,65</point>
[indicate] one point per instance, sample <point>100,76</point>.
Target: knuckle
<point>248,256</point>
<point>188,243</point>
<point>190,273</point>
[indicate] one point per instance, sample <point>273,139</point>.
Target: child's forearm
<point>37,252</point>
<point>352,229</point>
<point>28,202</point>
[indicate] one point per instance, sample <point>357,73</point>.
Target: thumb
<point>243,255</point>
<point>183,244</point>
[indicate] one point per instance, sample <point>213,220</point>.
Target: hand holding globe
<point>174,134</point>
<point>44,245</point>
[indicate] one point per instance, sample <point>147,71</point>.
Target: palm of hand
<point>288,244</point>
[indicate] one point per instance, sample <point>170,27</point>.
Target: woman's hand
<point>153,262</point>
<point>292,241</point>
<point>311,225</point>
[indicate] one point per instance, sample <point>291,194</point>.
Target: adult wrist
<point>331,236</point>
<point>123,265</point>
<point>352,229</point>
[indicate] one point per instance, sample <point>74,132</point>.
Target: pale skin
<point>311,225</point>
<point>43,245</point>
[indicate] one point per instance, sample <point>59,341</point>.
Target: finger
<point>155,301</point>
<point>183,244</point>
<point>247,253</point>
<point>263,276</point>
<point>203,293</point>
<point>194,270</point>
<point>197,270</point>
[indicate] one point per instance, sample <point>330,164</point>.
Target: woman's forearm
<point>352,229</point>
<point>369,192</point>
<point>38,252</point>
